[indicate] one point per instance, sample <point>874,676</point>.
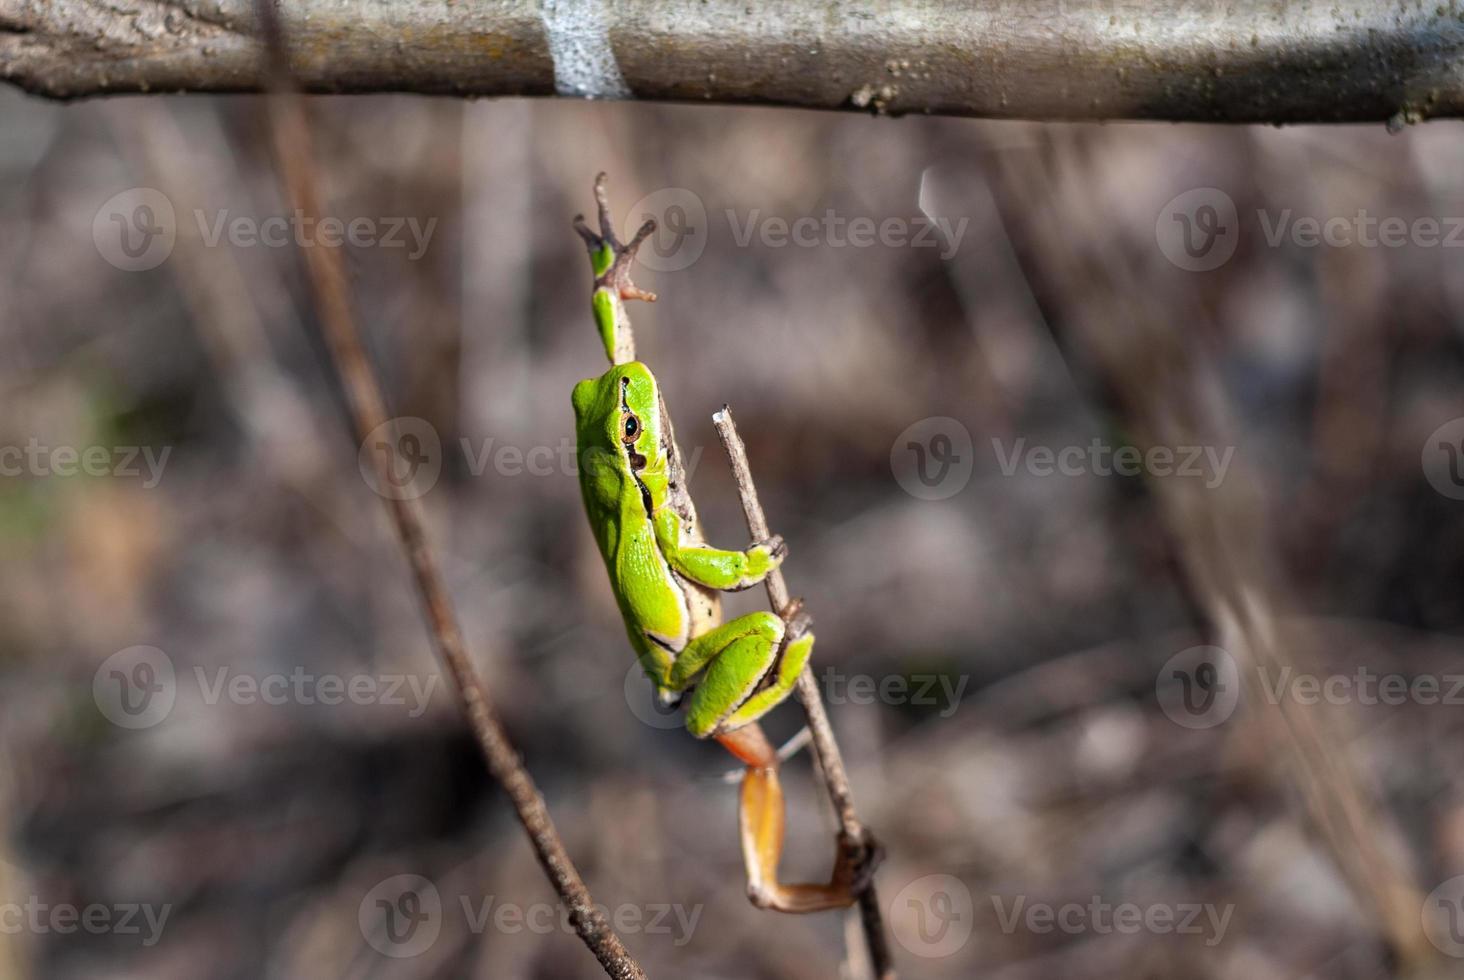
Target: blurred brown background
<point>999,654</point>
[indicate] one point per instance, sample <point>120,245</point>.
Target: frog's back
<point>659,606</point>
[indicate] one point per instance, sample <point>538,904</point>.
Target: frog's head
<point>619,426</point>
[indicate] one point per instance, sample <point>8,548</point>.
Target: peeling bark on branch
<point>1202,60</point>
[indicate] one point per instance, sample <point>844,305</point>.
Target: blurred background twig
<point>331,292</point>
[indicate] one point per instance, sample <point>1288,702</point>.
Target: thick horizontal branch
<point>1205,60</point>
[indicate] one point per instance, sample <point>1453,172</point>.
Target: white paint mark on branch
<point>578,32</point>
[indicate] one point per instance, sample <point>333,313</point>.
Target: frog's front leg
<point>729,571</point>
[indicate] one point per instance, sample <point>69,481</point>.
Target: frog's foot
<point>611,258</point>
<point>777,547</point>
<point>799,622</point>
<point>858,861</point>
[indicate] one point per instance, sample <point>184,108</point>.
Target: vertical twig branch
<point>852,832</point>
<point>291,136</point>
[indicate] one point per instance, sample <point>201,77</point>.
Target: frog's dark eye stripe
<point>630,431</point>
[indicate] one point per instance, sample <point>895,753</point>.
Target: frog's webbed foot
<point>857,862</point>
<point>610,257</point>
<point>610,260</point>
<point>777,547</point>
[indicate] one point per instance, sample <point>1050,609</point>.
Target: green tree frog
<point>667,580</point>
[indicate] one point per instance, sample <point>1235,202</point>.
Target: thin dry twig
<point>291,136</point>
<point>853,833</point>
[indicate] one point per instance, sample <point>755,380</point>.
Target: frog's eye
<point>632,429</point>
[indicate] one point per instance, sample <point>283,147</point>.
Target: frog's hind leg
<point>727,664</point>
<point>760,819</point>
<point>761,810</point>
